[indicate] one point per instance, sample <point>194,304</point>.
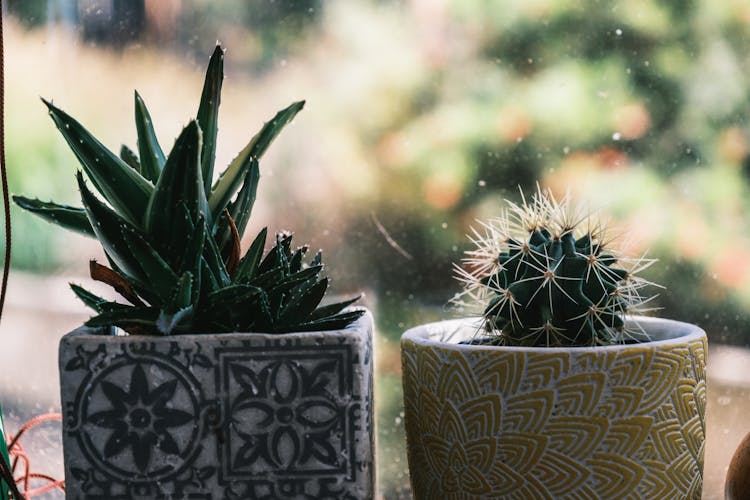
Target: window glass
<point>421,116</point>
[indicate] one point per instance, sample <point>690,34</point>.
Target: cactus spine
<point>546,274</point>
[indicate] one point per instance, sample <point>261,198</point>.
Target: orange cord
<point>15,450</point>
<point>19,458</point>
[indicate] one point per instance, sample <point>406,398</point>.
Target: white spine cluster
<point>512,232</point>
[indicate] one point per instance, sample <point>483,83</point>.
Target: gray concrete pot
<point>215,416</point>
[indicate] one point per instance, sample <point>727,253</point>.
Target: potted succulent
<point>554,389</point>
<point>220,375</point>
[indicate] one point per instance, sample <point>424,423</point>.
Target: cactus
<point>172,235</point>
<point>546,274</point>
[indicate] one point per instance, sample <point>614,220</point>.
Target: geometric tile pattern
<point>616,422</point>
<point>228,416</point>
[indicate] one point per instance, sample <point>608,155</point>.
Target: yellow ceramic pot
<point>623,421</point>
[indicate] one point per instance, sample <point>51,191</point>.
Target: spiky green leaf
<point>212,256</point>
<point>128,156</point>
<point>124,188</point>
<point>304,303</point>
<point>210,281</point>
<point>243,169</point>
<point>151,155</point>
<point>271,129</point>
<point>231,296</point>
<point>264,319</point>
<point>249,264</point>
<point>289,282</point>
<point>73,218</point>
<point>191,257</point>
<point>90,299</point>
<point>318,259</point>
<point>169,323</point>
<point>267,279</point>
<point>295,262</point>
<point>332,309</point>
<point>285,290</point>
<point>276,257</point>
<point>183,293</point>
<point>108,226</point>
<point>145,291</point>
<point>160,275</point>
<point>337,322</point>
<point>126,316</point>
<point>179,188</point>
<point>242,205</point>
<point>208,114</point>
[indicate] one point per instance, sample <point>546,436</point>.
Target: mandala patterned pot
<point>530,423</point>
<point>226,416</point>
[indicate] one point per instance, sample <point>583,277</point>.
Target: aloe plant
<point>545,273</point>
<point>172,235</point>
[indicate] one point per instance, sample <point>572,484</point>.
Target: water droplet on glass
<point>618,32</point>
<point>444,225</point>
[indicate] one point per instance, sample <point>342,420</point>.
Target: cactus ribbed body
<point>543,275</point>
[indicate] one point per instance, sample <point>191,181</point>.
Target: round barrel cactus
<point>546,273</point>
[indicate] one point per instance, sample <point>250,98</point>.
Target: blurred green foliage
<point>34,165</point>
<point>266,28</point>
<point>422,116</point>
<point>269,29</point>
<point>430,112</point>
<point>640,107</point>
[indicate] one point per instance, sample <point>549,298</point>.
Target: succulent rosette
<point>171,234</point>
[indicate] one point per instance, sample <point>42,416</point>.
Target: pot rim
<point>670,332</point>
<point>364,323</point>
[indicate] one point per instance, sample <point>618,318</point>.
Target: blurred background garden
<point>421,116</point>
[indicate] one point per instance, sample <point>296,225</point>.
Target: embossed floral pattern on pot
<point>490,422</point>
<point>139,419</point>
<point>229,416</point>
<point>285,416</point>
